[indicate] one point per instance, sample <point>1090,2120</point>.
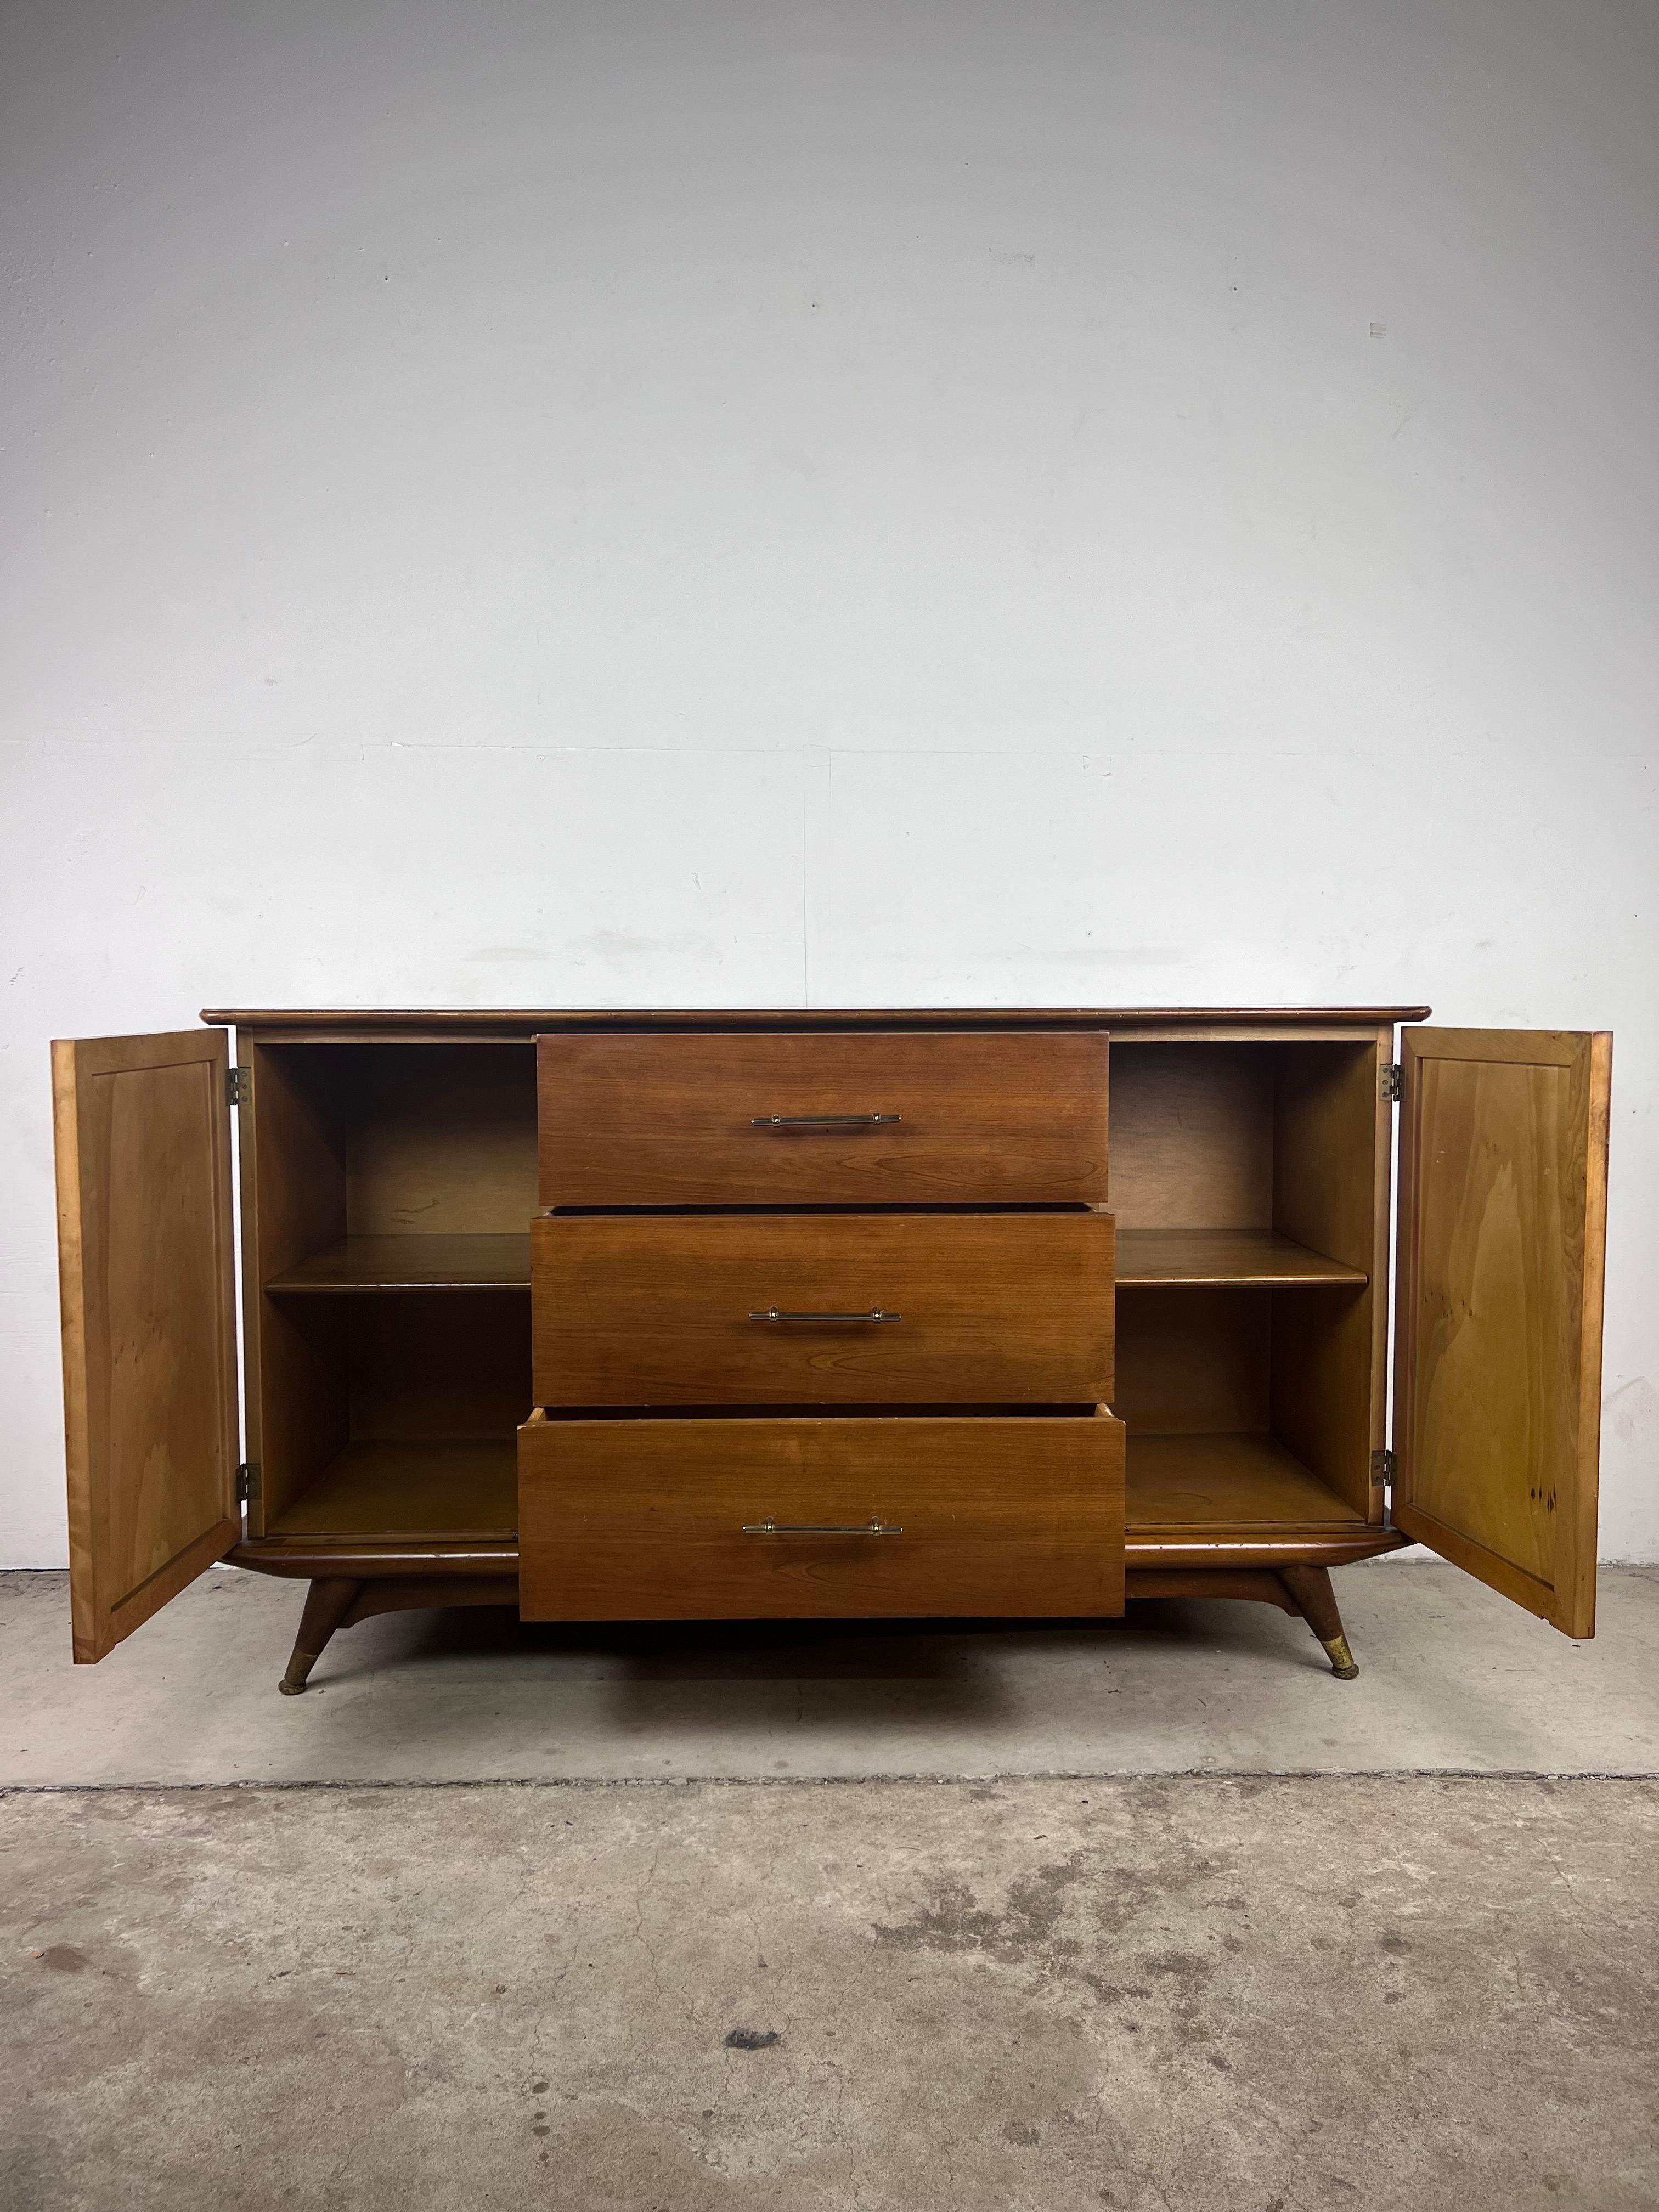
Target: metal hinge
<point>247,1481</point>
<point>239,1085</point>
<point>1382,1470</point>
<point>1390,1081</point>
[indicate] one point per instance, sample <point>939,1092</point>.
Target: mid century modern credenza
<point>630,1316</point>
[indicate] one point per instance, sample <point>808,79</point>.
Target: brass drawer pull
<point>772,1314</point>
<point>823,1120</point>
<point>872,1527</point>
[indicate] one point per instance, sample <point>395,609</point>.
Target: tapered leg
<point>1316,1602</point>
<point>327,1604</point>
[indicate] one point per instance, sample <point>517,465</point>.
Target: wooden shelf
<point>413,1263</point>
<point>462,1490</point>
<point>1226,1482</point>
<point>1246,1258</point>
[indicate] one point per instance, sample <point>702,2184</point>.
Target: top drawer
<point>899,1117</point>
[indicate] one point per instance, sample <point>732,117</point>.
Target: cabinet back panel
<point>1192,1136</point>
<point>443,1140</point>
<point>1193,1361</point>
<point>433,1139</point>
<point>444,1365</point>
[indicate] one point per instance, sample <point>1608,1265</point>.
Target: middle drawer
<point>677,1309</point>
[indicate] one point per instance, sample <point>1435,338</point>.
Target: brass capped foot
<point>1315,1601</point>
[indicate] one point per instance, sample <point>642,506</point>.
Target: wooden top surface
<point>530,1022</point>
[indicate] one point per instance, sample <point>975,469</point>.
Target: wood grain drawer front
<point>644,1520</point>
<point>909,1118</point>
<point>673,1310</point>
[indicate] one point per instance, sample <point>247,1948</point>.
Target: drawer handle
<point>772,1314</point>
<point>823,1120</point>
<point>872,1527</point>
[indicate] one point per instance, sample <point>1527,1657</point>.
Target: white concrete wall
<point>743,502</point>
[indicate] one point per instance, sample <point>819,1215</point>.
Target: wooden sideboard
<point>992,1314</point>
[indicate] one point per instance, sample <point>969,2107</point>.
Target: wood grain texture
<point>1577,1514</point>
<point>1332,1544</point>
<point>1260,1587</point>
<point>1241,1483</point>
<point>388,1138</point>
<point>411,1263</point>
<point>1329,1544</point>
<point>294,1203</point>
<point>145,1251</point>
<point>449,1367</point>
<point>450,1364</point>
<point>653,1309</point>
<point>298,1559</point>
<point>438,1142</point>
<point>461,1488</point>
<point>328,1601</point>
<point>1497,1333</point>
<point>1193,1359</point>
<point>1382,1288</point>
<point>416,1593</point>
<point>1328,1398</point>
<point>399,1139</point>
<point>669,1121</point>
<point>1192,1136</point>
<point>1319,1396</point>
<point>1244,1258</point>
<point>644,1520</point>
<point>1324,1148</point>
<point>305,1407</point>
<point>462,1021</point>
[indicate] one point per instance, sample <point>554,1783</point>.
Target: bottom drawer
<point>770,1518</point>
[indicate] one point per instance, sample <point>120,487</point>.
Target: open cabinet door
<point>145,1253</point>
<point>1498,1329</point>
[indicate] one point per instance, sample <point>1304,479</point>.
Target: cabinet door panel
<point>1497,1346</point>
<point>145,1252</point>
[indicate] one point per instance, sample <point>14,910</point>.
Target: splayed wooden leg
<point>1316,1602</point>
<point>327,1604</point>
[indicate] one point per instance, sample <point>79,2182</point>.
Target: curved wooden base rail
<point>334,1603</point>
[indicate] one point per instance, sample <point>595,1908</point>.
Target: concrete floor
<point>1453,1679</point>
<point>1125,1966</point>
<point>1018,1996</point>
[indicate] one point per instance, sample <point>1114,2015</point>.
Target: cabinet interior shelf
<point>413,1263</point>
<point>1246,1258</point>
<point>466,1490</point>
<point>418,1490</point>
<point>1226,1482</point>
<point>1249,1258</point>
